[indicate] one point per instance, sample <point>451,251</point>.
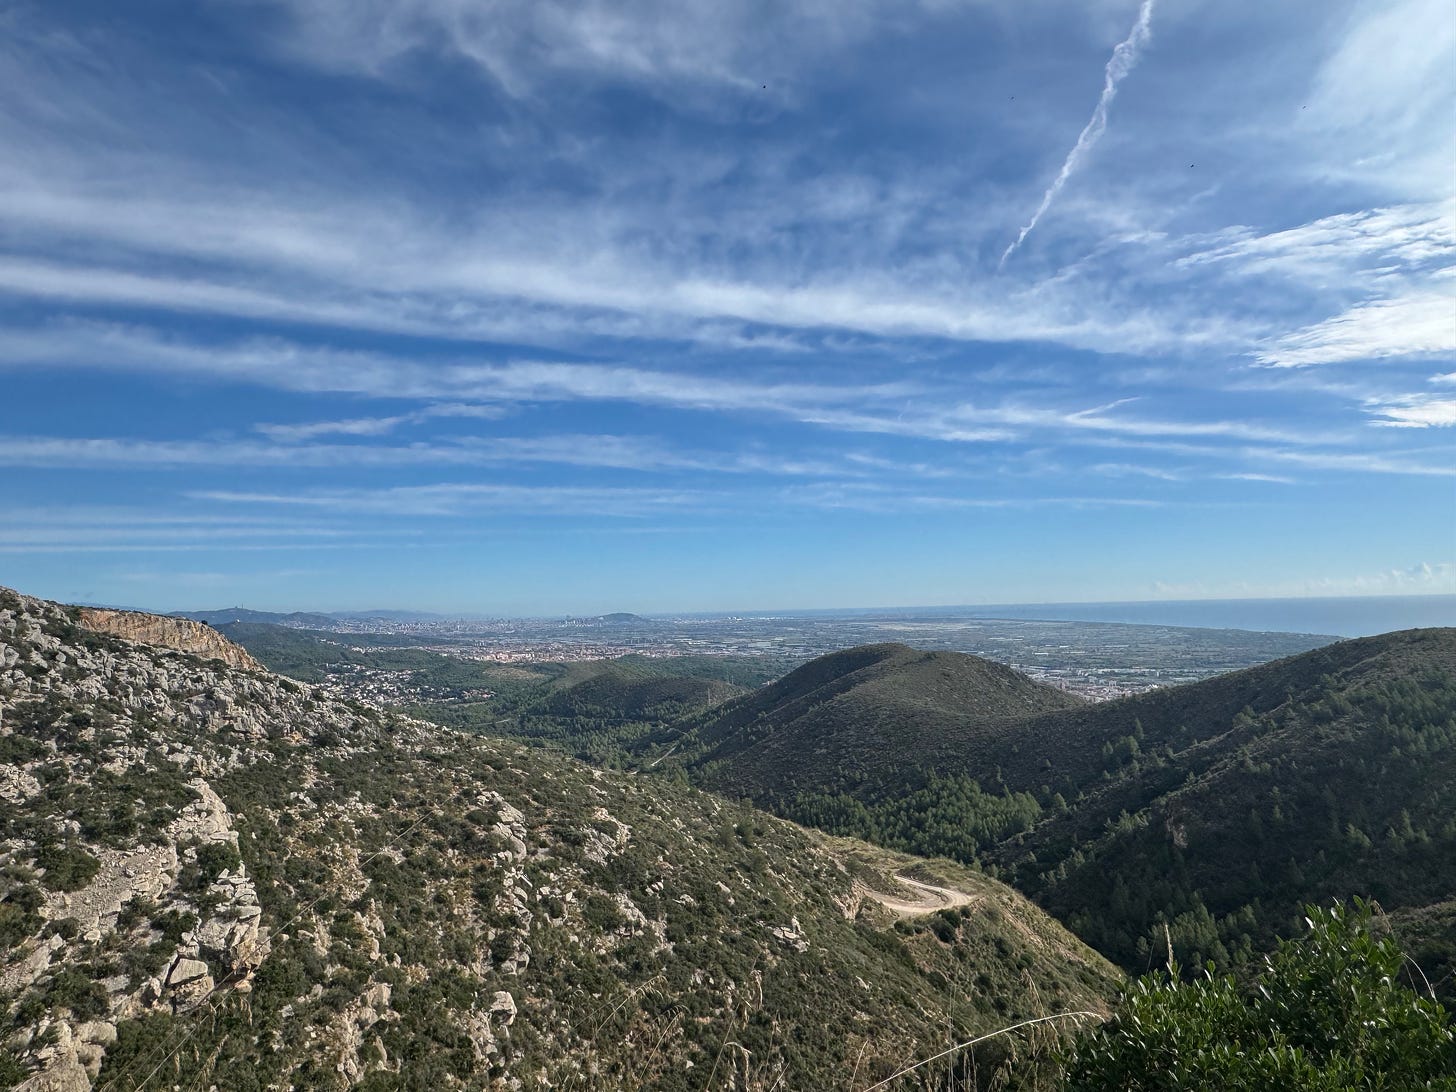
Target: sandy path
<point>931,898</point>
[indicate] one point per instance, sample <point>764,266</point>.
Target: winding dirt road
<point>932,898</point>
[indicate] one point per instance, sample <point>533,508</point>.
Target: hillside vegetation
<point>1228,804</point>
<point>214,878</point>
<point>859,721</point>
<point>1218,808</point>
<point>1327,1010</point>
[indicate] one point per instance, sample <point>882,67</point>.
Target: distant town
<point>1097,660</point>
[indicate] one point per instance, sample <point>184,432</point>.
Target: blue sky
<point>539,307</point>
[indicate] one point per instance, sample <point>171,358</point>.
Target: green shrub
<point>77,991</point>
<point>68,867</point>
<point>19,917</point>
<point>1327,1011</point>
<point>213,859</point>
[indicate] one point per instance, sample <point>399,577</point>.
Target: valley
<point>773,546</point>
<point>1211,811</point>
<point>218,876</point>
<point>1095,660</point>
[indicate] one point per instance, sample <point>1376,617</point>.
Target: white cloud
<point>757,48</point>
<point>1278,479</point>
<point>1423,322</point>
<point>1351,461</point>
<point>1383,100</point>
<point>125,530</point>
<point>884,499</point>
<point>1376,240</point>
<point>1413,411</point>
<point>450,499</point>
<point>377,426</point>
<point>933,410</point>
<point>287,365</point>
<point>358,426</point>
<point>634,453</point>
<point>1122,470</point>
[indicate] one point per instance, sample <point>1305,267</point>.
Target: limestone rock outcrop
<point>181,634</point>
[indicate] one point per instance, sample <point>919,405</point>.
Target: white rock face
<point>144,698</point>
<point>181,634</point>
<point>503,1009</point>
<point>186,970</point>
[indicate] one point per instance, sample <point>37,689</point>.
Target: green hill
<point>229,615</point>
<point>1218,808</point>
<point>599,710</point>
<point>616,689</point>
<point>861,721</point>
<point>212,878</point>
<point>1224,805</point>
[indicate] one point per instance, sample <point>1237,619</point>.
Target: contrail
<point>1118,65</point>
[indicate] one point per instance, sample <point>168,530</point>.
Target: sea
<point>1338,617</point>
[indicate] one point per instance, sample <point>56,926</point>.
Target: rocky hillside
<point>214,878</point>
<point>181,634</point>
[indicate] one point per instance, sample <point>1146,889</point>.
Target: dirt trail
<point>932,898</point>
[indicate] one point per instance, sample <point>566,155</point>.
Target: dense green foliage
<point>870,722</point>
<point>1203,816</point>
<point>1329,1010</point>
<point>1207,814</point>
<point>1347,789</point>
<point>600,711</point>
<point>948,817</point>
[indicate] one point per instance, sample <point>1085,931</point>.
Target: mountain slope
<point>858,721</point>
<point>1218,808</point>
<point>1224,805</point>
<point>214,878</point>
<point>226,615</point>
<point>617,691</point>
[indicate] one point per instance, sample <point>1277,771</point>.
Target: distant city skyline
<point>1341,616</point>
<point>574,308</point>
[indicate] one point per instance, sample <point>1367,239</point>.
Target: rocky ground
<point>213,877</point>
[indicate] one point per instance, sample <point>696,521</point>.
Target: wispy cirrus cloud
<point>1379,241</point>
<point>1353,461</point>
<point>518,44</point>
<point>924,409</point>
<point>1396,265</point>
<point>459,498</point>
<point>1422,322</point>
<point>1381,101</point>
<point>1420,410</point>
<point>377,426</point>
<point>99,529</point>
<point>882,499</point>
<point>346,267</point>
<point>289,365</point>
<point>597,452</point>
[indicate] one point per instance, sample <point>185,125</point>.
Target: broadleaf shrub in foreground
<point>1328,1010</point>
